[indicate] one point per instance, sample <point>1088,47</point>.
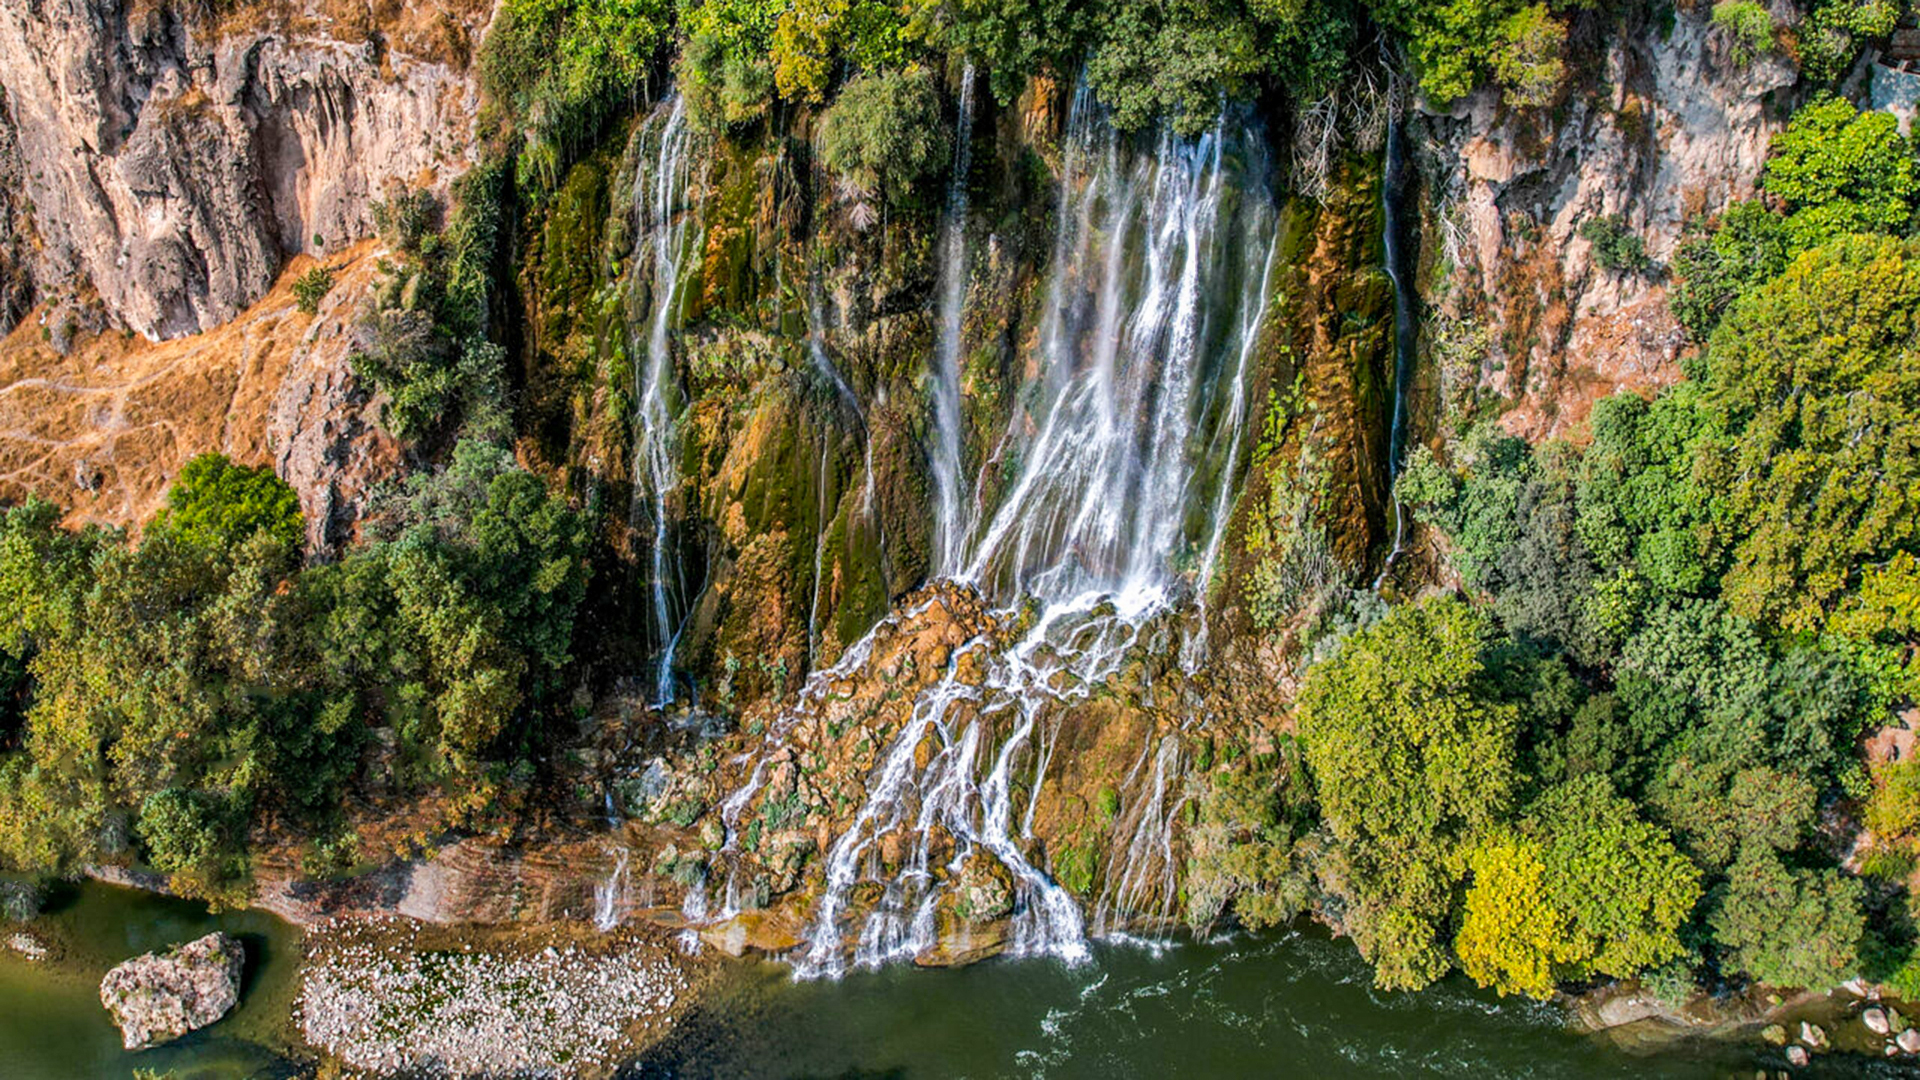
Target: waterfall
<point>1150,293</point>
<point>1403,327</point>
<point>950,517</point>
<point>660,200</point>
<point>609,896</point>
<point>1142,847</point>
<point>1115,465</point>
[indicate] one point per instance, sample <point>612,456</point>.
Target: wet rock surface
<point>161,996</point>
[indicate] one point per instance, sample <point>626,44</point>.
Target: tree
<point>1815,378</point>
<point>1842,171</point>
<point>1789,927</point>
<point>1410,759</point>
<point>1583,887</point>
<point>216,504</point>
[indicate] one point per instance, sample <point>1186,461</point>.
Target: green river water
<point>1295,1004</point>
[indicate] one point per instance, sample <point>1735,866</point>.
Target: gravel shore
<point>382,997</point>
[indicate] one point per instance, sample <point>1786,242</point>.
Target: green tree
<point>1815,376</point>
<point>1410,760</point>
<point>885,132</point>
<point>1789,927</point>
<point>216,504</point>
<point>1842,171</point>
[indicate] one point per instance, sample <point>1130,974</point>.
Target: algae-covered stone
<point>161,996</point>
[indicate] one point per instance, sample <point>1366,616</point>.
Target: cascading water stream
<point>950,516</point>
<point>1403,328</point>
<point>1159,278</point>
<point>661,197</point>
<point>609,896</point>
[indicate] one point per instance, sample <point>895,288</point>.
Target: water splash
<point>660,199</point>
<point>950,517</point>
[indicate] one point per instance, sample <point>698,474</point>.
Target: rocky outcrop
<point>161,996</point>
<point>102,427</point>
<point>176,168</point>
<point>1674,128</point>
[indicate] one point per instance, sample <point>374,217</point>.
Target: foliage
<point>1454,44</point>
<point>1617,248</point>
<point>189,688</point>
<point>423,342</point>
<point>1835,31</point>
<point>884,132</point>
<point>1840,170</point>
<point>1787,926</point>
<point>557,67</point>
<point>725,69</point>
<point>1815,373</point>
<point>813,34</point>
<point>1894,809</point>
<point>1177,58</point>
<point>1584,888</point>
<point>1241,851</point>
<point>1409,759</point>
<point>1011,38</point>
<point>215,504</point>
<point>312,287</point>
<point>1748,28</point>
<point>1748,246</point>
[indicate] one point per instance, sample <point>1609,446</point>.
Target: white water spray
<point>661,198</point>
<point>950,517</point>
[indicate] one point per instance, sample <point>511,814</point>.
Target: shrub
<point>1748,28</point>
<point>405,218</point>
<point>312,287</point>
<point>1618,249</point>
<point>21,901</point>
<point>216,504</point>
<point>885,131</point>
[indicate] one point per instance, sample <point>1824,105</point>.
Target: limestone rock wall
<point>1671,127</point>
<point>174,166</point>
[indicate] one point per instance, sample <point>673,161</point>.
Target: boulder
<point>1797,1056</point>
<point>1813,1035</point>
<point>161,996</point>
<point>1876,1020</point>
<point>1909,1041</point>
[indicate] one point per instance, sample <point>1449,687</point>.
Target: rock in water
<point>162,996</point>
<point>1876,1021</point>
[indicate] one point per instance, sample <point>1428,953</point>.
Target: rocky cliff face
<point>1669,127</point>
<point>102,425</point>
<point>175,165</point>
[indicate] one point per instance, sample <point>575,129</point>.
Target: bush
<point>885,132</point>
<point>1835,31</point>
<point>21,901</point>
<point>1618,249</point>
<point>405,218</point>
<point>312,287</point>
<point>1748,27</point>
<point>216,504</point>
<point>1842,171</point>
<point>559,67</point>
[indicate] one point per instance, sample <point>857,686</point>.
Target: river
<point>1296,1003</point>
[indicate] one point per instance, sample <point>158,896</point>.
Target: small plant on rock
<point>1618,249</point>
<point>312,287</point>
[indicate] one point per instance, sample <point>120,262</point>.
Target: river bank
<point>384,996</point>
